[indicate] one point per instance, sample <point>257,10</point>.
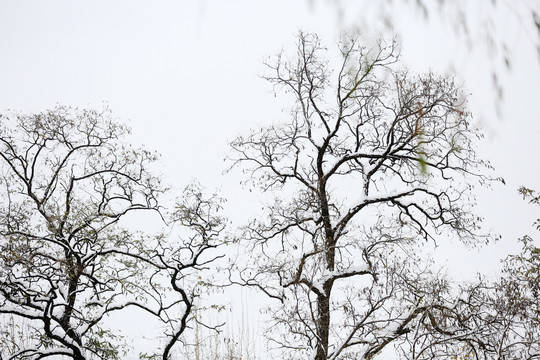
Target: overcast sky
<point>185,74</point>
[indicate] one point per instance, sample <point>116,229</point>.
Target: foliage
<point>504,314</point>
<point>477,26</point>
<point>517,302</point>
<point>517,298</point>
<point>68,257</point>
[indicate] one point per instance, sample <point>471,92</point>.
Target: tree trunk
<point>323,326</point>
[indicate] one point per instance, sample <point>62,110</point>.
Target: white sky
<point>185,73</point>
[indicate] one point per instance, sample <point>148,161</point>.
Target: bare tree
<point>68,259</point>
<point>373,162</point>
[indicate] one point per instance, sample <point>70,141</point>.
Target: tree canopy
<point>372,162</point>
<point>68,259</point>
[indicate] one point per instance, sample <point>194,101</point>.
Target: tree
<point>506,311</point>
<point>68,255</point>
<point>516,298</point>
<point>516,303</point>
<point>372,162</point>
